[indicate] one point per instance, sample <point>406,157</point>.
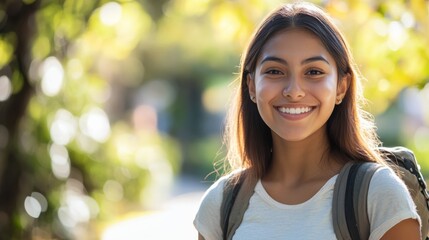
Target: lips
<point>295,113</point>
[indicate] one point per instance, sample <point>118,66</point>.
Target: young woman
<point>296,122</point>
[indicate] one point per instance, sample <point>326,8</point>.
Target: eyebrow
<point>284,62</point>
<point>314,59</point>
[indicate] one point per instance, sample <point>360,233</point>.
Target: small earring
<point>339,101</point>
<point>253,98</point>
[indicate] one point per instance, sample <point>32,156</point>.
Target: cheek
<point>265,89</point>
<point>327,89</point>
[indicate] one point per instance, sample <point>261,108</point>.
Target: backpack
<point>349,215</point>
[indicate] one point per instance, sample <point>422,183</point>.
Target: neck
<point>300,160</point>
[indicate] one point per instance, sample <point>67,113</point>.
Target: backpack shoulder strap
<point>360,196</point>
<point>236,195</point>
<point>350,196</point>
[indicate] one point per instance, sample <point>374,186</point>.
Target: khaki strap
<point>360,198</point>
<point>241,204</point>
<point>338,199</point>
<point>237,193</point>
<point>344,218</point>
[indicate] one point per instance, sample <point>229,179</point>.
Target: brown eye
<point>274,72</point>
<point>314,72</point>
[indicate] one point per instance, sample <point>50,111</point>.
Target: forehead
<point>296,44</point>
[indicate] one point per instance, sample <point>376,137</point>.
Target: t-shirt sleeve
<point>207,219</point>
<point>389,202</point>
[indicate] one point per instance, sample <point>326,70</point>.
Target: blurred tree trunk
<point>19,21</point>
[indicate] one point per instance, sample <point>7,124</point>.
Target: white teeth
<point>294,110</point>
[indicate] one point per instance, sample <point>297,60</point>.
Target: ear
<point>342,87</point>
<point>251,85</point>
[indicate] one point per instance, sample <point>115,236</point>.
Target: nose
<point>293,90</point>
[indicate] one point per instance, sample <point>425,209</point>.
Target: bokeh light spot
<point>5,88</point>
<point>32,207</point>
<point>397,35</point>
<point>41,199</point>
<point>64,127</point>
<point>52,76</point>
<point>60,161</point>
<point>95,124</point>
<point>110,13</point>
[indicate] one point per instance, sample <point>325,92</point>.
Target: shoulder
<point>386,187</point>
<point>207,220</point>
<point>386,177</point>
<point>214,193</point>
<point>389,202</point>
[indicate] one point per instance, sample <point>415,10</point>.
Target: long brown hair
<point>350,129</point>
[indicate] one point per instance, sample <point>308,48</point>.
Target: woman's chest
<point>267,219</point>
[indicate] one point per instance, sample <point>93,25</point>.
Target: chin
<point>293,137</point>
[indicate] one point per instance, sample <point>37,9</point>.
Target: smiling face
<point>295,85</point>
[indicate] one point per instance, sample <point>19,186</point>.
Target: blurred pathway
<point>172,221</point>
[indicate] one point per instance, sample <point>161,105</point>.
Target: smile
<point>299,110</point>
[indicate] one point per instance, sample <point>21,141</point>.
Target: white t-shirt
<point>388,204</point>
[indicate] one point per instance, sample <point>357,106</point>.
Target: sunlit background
<point>111,112</point>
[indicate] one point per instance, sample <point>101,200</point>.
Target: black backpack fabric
<point>349,213</point>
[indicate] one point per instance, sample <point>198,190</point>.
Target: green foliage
<point>128,94</point>
<point>389,41</point>
<point>6,49</point>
